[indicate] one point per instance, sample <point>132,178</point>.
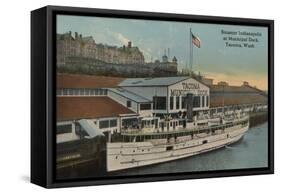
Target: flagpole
<point>189,55</point>
<point>191,51</point>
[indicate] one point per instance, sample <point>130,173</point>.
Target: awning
<point>89,127</point>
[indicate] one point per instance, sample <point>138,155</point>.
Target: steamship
<point>174,139</point>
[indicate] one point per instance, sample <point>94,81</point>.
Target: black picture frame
<point>43,98</point>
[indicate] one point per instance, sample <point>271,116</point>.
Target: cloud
<point>109,37</point>
<point>120,37</point>
<point>147,52</point>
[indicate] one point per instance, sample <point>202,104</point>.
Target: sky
<point>213,59</point>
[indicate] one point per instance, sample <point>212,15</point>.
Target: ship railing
<point>191,129</point>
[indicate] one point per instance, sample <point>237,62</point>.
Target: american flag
<point>195,40</point>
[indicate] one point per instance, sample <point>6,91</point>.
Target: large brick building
<point>79,46</point>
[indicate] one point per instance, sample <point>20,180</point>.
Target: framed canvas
<point>126,96</point>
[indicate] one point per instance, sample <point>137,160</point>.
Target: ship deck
<point>198,129</point>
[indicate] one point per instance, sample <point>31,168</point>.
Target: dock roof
<point>157,81</point>
<point>73,108</point>
<point>130,95</point>
<point>87,81</point>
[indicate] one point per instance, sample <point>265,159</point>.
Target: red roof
<point>86,81</point>
<point>72,108</point>
<point>217,101</point>
<point>248,89</point>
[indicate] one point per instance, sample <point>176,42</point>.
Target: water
<point>249,152</point>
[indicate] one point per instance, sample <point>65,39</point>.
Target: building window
<point>87,92</point>
<point>61,129</point>
<point>171,103</point>
<point>203,101</point>
<point>64,92</point>
<point>70,92</point>
<point>159,103</point>
<point>145,106</point>
<point>184,102</point>
<point>196,101</point>
<point>113,123</point>
<point>76,92</point>
<point>81,91</point>
<point>207,100</point>
<point>104,124</point>
<point>129,103</point>
<point>128,123</point>
<point>177,102</point>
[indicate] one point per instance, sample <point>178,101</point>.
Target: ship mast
<point>223,98</point>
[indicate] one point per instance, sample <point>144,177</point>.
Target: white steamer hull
<point>136,154</point>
